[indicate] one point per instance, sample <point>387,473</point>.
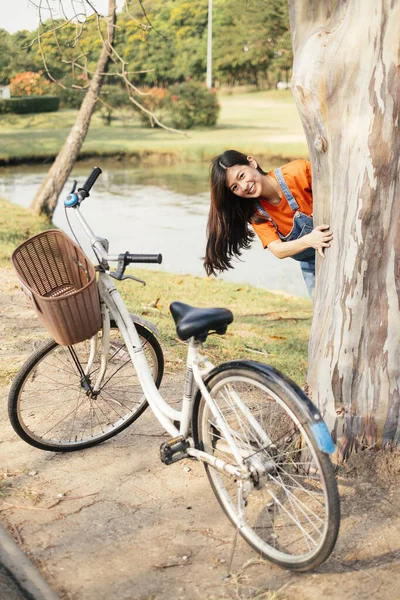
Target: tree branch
<point>113,54</point>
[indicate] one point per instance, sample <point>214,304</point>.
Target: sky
<point>22,14</point>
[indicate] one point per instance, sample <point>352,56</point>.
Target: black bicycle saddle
<point>199,322</point>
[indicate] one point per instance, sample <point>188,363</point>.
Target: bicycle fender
<point>323,437</point>
<point>145,323</point>
<point>311,414</point>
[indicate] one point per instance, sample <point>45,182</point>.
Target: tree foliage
<point>250,41</point>
<point>251,44</point>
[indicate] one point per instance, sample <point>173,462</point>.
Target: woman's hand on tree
<point>320,238</point>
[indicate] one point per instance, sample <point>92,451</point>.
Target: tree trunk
<point>46,198</point>
<point>346,82</point>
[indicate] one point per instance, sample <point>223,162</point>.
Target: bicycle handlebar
<point>143,258</point>
<point>90,181</point>
<point>74,200</point>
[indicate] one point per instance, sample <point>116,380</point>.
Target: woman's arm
<point>319,238</point>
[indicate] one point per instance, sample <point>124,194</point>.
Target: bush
<point>4,106</point>
<point>184,105</point>
<point>69,96</point>
<point>192,104</point>
<point>29,83</point>
<point>30,104</point>
<point>155,100</point>
<point>111,98</point>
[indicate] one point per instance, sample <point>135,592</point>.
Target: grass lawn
<point>268,327</point>
<point>263,123</point>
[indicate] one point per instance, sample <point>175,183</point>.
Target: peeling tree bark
<point>346,82</point>
<point>46,198</point>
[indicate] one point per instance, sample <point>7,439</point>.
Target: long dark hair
<point>228,231</point>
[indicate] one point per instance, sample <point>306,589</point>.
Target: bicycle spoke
<point>53,407</point>
<point>285,503</point>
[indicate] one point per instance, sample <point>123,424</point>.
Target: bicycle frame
<point>197,366</point>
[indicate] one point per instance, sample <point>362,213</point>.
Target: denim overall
<point>302,224</point>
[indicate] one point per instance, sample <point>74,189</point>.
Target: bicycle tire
<point>49,408</point>
<point>291,516</point>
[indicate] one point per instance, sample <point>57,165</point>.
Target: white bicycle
<point>264,444</point>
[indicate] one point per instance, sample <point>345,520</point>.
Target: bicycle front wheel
<point>50,408</point>
<point>288,510</point>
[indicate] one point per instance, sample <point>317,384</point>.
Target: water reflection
<point>154,209</point>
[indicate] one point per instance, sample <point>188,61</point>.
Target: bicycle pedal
<point>174,450</point>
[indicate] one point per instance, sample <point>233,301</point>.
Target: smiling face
<point>245,180</point>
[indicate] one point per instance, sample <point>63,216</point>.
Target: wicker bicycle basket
<point>61,282</point>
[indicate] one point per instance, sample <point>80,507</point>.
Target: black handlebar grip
<point>144,258</point>
<point>91,180</point>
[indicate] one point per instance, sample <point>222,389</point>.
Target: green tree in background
<point>251,44</point>
<point>5,52</point>
<point>250,41</point>
<point>15,54</point>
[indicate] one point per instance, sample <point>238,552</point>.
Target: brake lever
<point>134,279</point>
<point>120,277</point>
<point>119,274</point>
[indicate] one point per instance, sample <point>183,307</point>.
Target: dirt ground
<point>114,522</point>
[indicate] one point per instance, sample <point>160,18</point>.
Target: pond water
<point>155,209</point>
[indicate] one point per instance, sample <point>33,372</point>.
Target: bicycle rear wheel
<point>50,409</point>
<point>289,510</point>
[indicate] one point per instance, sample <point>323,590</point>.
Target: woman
<point>278,205</point>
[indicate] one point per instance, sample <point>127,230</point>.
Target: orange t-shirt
<point>297,175</point>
